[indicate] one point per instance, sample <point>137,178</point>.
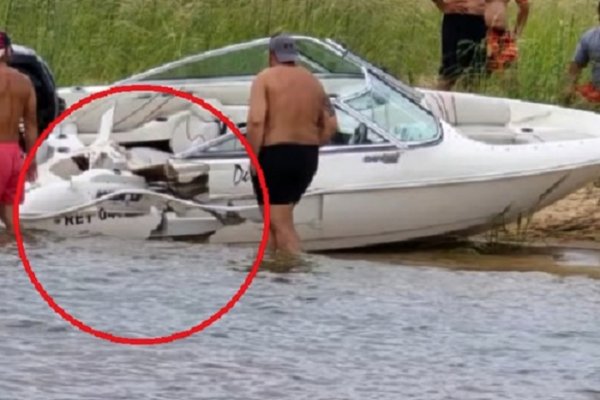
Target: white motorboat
<point>406,163</point>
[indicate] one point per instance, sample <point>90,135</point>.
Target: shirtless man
<point>290,117</point>
<point>17,103</point>
<point>502,48</point>
<point>462,38</point>
<point>587,53</point>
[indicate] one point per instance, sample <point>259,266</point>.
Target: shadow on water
<point>485,257</point>
<point>30,238</point>
<point>302,264</point>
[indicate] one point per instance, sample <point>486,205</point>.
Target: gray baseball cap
<point>284,48</point>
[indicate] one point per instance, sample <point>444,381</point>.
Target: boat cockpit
<point>372,108</point>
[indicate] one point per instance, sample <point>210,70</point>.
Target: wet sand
<point>478,257</point>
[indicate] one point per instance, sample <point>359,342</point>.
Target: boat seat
<point>193,131</point>
<point>134,110</point>
<point>180,123</point>
<point>463,109</point>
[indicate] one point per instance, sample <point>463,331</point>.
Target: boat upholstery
<point>191,131</point>
<point>131,112</point>
<point>199,125</point>
<point>468,109</point>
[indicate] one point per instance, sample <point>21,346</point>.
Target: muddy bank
<point>565,259</point>
<point>571,222</point>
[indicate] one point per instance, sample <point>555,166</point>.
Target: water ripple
<point>335,329</point>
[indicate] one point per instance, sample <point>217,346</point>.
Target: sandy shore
<point>571,222</point>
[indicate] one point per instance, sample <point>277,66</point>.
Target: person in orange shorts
<point>501,42</point>
<point>587,52</point>
<point>17,104</point>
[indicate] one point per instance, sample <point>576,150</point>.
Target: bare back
<point>15,101</point>
<point>294,106</point>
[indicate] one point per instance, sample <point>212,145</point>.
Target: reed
<point>88,41</point>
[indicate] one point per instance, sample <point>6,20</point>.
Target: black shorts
<point>288,170</point>
<point>463,44</point>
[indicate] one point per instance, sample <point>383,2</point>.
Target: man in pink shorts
<point>17,104</point>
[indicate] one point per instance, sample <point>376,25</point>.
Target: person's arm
<point>522,17</point>
<point>257,114</point>
<point>328,121</point>
<point>31,127</point>
<point>439,4</point>
<point>579,62</point>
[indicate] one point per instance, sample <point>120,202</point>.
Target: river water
<point>341,327</point>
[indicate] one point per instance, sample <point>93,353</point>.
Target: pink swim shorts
<point>11,161</point>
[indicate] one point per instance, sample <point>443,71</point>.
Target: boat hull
<point>386,216</point>
<point>351,219</point>
<point>357,199</point>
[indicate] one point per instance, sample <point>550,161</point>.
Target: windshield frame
<point>369,88</point>
<point>143,76</point>
<point>346,53</point>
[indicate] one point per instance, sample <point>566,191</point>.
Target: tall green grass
<point>91,41</point>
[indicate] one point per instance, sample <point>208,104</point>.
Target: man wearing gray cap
<point>290,117</point>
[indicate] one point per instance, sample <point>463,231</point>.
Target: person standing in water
<point>17,103</point>
<point>290,117</point>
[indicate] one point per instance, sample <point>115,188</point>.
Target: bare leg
<point>294,233</point>
<point>282,220</point>
<point>273,241</point>
<point>6,212</point>
<point>272,244</point>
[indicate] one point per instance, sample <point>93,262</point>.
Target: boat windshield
<point>249,59</point>
<point>392,111</point>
